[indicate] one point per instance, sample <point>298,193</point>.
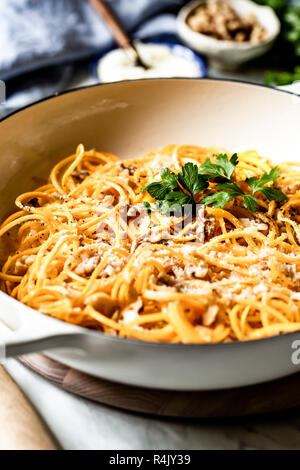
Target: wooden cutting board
<point>21,427</point>
<point>264,398</point>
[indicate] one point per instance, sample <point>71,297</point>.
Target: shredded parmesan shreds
<point>131,313</point>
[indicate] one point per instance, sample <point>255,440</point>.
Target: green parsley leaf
<point>168,178</point>
<point>232,186</point>
<point>174,202</point>
<point>271,176</point>
<point>156,189</point>
<point>210,170</point>
<point>219,199</point>
<point>250,202</point>
<point>190,179</point>
<point>159,189</point>
<point>223,167</point>
<point>273,194</point>
<point>147,207</point>
<point>257,185</point>
<point>228,166</point>
<point>177,197</point>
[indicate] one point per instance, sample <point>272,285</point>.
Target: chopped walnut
<point>88,258</point>
<point>79,175</point>
<point>204,225</point>
<point>23,263</point>
<point>130,168</point>
<point>219,20</point>
<point>210,315</point>
<point>87,266</point>
<point>131,312</point>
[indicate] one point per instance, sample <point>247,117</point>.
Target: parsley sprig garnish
<point>258,185</point>
<point>173,191</point>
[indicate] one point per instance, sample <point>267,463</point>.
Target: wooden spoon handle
<point>20,426</point>
<point>108,16</point>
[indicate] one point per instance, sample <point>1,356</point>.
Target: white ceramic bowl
<point>230,54</point>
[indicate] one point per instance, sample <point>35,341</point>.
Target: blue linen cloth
<point>39,39</point>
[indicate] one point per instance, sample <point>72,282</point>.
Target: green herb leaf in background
<point>287,48</point>
<point>282,78</point>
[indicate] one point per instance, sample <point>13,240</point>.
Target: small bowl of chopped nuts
<point>229,32</point>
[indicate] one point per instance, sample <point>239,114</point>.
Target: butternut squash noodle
<point>83,249</point>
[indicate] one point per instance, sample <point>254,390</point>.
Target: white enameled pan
<point>130,118</point>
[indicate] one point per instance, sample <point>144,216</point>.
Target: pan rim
<point>175,79</point>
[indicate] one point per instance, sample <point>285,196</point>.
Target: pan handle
<point>24,330</point>
<point>18,347</point>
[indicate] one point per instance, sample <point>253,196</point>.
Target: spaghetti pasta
<point>83,249</point>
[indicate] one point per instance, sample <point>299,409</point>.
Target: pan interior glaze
<point>128,119</point>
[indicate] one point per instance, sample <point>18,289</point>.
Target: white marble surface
<point>80,424</point>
